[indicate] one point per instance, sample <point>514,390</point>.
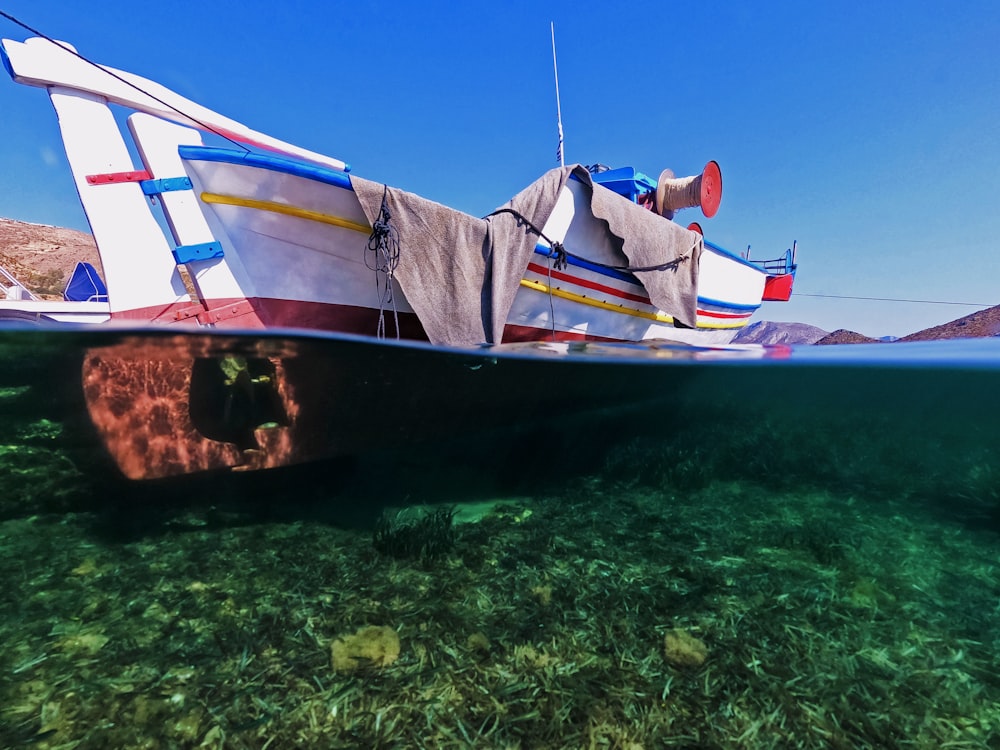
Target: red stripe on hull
<point>283,313</point>
<point>179,313</point>
<point>727,316</point>
<point>516,333</point>
<point>364,321</point>
<point>322,316</point>
<point>542,270</point>
<point>279,313</point>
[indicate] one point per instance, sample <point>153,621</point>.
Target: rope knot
<point>382,257</point>
<point>559,255</point>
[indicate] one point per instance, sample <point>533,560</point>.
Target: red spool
<point>711,189</point>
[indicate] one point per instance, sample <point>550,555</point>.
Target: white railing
<point>15,284</point>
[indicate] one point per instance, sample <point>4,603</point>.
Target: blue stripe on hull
<point>611,273</point>
<point>714,305</point>
<point>267,161</point>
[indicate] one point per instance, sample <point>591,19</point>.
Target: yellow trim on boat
<point>282,208</point>
<point>563,294</point>
<point>658,317</point>
<point>305,213</point>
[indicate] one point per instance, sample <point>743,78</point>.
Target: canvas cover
<point>461,273</point>
<point>85,285</point>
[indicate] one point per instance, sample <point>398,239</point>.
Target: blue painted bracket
<point>202,251</point>
<point>165,185</point>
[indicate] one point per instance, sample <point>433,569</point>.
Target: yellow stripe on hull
<point>337,221</point>
<point>282,208</point>
<point>655,316</point>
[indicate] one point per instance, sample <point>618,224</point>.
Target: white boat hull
<point>301,239</point>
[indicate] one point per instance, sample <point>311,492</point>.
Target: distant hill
<point>977,325</point>
<point>768,332</point>
<point>42,257</point>
<point>981,324</point>
<point>843,336</point>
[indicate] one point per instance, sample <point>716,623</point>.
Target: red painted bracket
<point>216,314</point>
<point>227,312</point>
<point>110,178</point>
<point>188,312</point>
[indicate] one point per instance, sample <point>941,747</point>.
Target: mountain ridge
<point>42,257</point>
<point>770,332</point>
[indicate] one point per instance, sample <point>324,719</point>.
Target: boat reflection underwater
<point>160,416</point>
<point>166,404</point>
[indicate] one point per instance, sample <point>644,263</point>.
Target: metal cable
<point>202,125</point>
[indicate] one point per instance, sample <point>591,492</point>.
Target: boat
<point>264,234</point>
<point>84,299</point>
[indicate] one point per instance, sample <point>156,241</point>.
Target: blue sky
<point>869,133</point>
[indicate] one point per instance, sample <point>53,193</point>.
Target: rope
<point>382,257</point>
<point>558,254</point>
<point>560,263</point>
<point>670,265</point>
<point>561,254</point>
<point>202,125</point>
<point>559,257</point>
<point>522,220</point>
<point>896,299</point>
<point>681,192</point>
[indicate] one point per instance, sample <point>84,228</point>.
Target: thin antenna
<point>555,69</point>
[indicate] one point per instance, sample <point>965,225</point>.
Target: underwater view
<point>317,541</point>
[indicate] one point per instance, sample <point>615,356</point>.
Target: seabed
<point>823,579</point>
<point>605,616</point>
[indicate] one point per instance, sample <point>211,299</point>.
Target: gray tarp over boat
<point>460,273</point>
